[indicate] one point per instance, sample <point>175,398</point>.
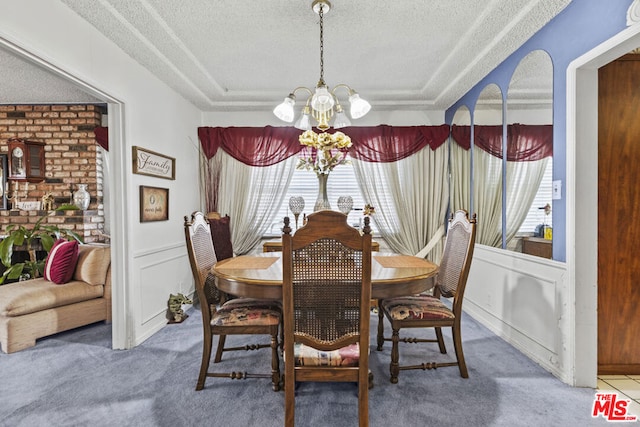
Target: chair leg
<point>457,344</point>
<point>275,362</point>
<point>394,367</point>
<point>443,349</point>
<point>221,340</point>
<point>204,365</point>
<point>380,326</point>
<point>363,403</point>
<point>282,334</point>
<point>289,401</point>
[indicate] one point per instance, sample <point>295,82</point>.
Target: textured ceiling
<point>227,55</point>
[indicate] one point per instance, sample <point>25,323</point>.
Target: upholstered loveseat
<point>37,308</point>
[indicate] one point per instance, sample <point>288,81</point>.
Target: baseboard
<point>621,369</point>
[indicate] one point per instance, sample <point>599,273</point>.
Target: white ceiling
<point>227,55</point>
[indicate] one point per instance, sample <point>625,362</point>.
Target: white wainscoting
<point>160,272</point>
<point>524,300</point>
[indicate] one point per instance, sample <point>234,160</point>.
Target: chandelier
<point>322,104</point>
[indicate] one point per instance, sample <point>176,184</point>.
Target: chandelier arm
<point>333,91</point>
<point>301,88</point>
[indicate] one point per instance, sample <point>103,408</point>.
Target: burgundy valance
<point>524,142</point>
<point>381,144</point>
<point>265,146</point>
<point>253,146</point>
<point>102,136</point>
<point>529,142</point>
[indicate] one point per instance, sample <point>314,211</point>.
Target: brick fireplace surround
<point>72,157</point>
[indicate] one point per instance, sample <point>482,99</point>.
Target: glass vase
<point>345,204</point>
<point>81,197</point>
<point>322,201</point>
<point>296,204</point>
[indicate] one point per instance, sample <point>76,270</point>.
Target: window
<point>536,215</point>
<point>342,182</point>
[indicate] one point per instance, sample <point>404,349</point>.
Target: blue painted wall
<point>580,27</point>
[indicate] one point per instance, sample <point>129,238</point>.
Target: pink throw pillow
<point>61,261</point>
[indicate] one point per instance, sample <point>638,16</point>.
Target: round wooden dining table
<point>260,275</point>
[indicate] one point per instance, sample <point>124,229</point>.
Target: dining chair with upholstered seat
<point>221,235</point>
<point>222,245</point>
<point>326,291</point>
<point>429,311</point>
<point>240,316</point>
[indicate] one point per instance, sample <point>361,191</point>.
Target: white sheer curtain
<point>251,196</point>
<point>460,177</point>
<point>523,181</point>
<point>417,193</point>
<point>487,190</point>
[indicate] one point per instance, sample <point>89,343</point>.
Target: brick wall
<point>72,157</point>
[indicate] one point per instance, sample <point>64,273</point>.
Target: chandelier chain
<point>321,14</point>
<point>322,103</point>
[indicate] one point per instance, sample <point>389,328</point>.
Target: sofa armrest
<point>93,263</point>
<point>107,295</point>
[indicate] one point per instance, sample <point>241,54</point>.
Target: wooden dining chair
<point>240,316</point>
<point>429,311</point>
<point>326,291</point>
<point>221,235</point>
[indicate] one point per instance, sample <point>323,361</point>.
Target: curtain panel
<point>229,188</point>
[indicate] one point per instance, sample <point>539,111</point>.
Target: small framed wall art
<point>147,162</point>
<point>154,204</point>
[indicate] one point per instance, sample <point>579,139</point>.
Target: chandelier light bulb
<point>359,107</point>
<point>304,122</point>
<point>322,100</point>
<point>341,119</point>
<point>284,111</point>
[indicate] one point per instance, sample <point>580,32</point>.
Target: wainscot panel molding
<point>160,272</point>
<point>525,300</point>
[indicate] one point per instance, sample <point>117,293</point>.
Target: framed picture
<point>147,162</point>
<point>3,182</point>
<point>154,204</point>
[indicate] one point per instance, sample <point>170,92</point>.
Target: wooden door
<point>619,217</point>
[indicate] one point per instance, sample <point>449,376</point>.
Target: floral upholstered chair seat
<point>246,311</point>
<point>305,355</point>
<point>417,308</point>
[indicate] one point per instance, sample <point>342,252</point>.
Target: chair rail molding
<point>526,303</point>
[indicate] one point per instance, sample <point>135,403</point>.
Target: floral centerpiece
<point>330,151</point>
<point>327,152</point>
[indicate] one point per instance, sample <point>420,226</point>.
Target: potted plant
<point>21,236</point>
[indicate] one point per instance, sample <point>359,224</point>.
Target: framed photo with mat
<point>154,204</point>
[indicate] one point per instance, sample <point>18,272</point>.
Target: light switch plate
<point>556,190</point>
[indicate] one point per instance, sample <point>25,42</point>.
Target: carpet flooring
<point>75,379</point>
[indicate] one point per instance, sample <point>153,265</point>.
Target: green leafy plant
<point>21,236</point>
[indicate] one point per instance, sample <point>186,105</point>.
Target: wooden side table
<point>537,246</point>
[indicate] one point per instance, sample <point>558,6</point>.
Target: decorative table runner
<point>248,262</point>
<point>400,261</point>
